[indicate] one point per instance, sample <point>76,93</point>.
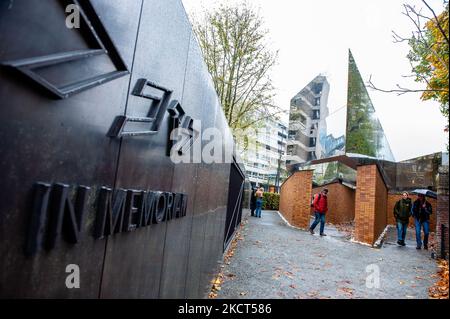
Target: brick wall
<point>341,203</point>
<point>393,197</point>
<point>295,198</point>
<point>442,210</point>
<point>370,204</point>
<point>380,206</point>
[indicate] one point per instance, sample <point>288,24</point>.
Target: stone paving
<point>274,260</point>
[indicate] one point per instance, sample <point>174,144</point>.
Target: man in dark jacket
<point>320,205</point>
<point>402,211</point>
<point>253,201</point>
<point>421,211</point>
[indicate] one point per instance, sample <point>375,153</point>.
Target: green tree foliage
<point>234,45</point>
<point>429,56</point>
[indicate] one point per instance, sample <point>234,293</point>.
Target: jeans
<point>426,231</point>
<point>401,230</point>
<point>320,217</point>
<point>258,207</point>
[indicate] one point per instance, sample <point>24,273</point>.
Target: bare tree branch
<point>233,44</point>
<point>401,90</point>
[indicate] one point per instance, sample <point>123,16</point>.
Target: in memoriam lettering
<point>55,215</point>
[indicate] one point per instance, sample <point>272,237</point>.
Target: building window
<point>316,114</point>
<point>292,134</point>
<point>290,150</point>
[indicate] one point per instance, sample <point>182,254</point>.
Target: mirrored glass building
<point>308,138</point>
<point>335,157</point>
<point>364,133</point>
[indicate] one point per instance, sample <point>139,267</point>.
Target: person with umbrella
<point>421,212</point>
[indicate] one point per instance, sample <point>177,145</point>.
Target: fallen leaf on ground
<point>212,295</point>
<point>346,290</point>
<point>440,289</point>
<point>289,274</point>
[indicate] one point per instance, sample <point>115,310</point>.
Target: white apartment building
<point>262,162</point>
<point>307,122</point>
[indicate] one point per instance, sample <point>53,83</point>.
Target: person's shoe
<point>323,234</point>
<point>418,247</point>
<point>425,247</point>
<point>403,243</point>
<point>399,242</point>
<point>311,231</point>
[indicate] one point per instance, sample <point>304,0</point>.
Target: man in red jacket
<point>320,209</point>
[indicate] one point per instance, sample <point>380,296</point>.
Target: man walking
<point>402,211</point>
<point>320,209</point>
<point>421,211</point>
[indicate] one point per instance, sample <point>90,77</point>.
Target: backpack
<point>312,199</point>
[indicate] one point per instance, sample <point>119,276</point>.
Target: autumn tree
<point>428,54</point>
<point>234,45</point>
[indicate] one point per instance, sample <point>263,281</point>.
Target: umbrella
<point>425,192</point>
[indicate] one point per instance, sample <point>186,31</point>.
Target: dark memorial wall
<point>85,175</point>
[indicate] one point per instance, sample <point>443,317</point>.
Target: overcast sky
<point>313,37</point>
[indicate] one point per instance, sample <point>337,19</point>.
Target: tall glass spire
<point>364,133</point>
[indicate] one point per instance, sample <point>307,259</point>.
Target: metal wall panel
<point>143,163</point>
<point>53,140</point>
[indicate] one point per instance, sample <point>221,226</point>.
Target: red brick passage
<point>442,210</point>
<point>341,203</point>
<point>370,204</point>
<point>295,198</point>
<point>394,197</point>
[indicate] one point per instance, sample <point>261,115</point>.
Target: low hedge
<point>271,201</point>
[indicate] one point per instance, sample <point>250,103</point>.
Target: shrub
<point>271,201</point>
